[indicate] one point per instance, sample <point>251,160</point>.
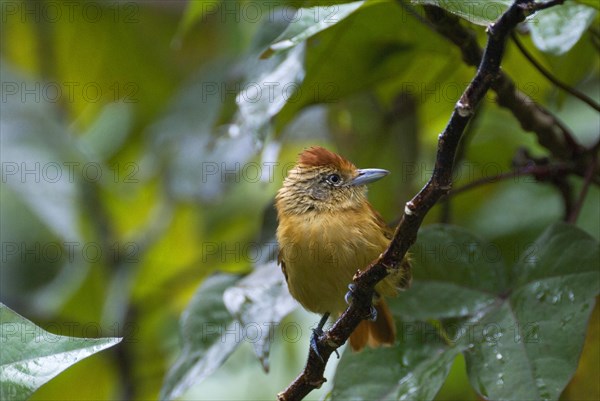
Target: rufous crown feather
<point>317,156</point>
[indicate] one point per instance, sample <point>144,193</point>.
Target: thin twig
<point>550,131</point>
<point>415,210</point>
<point>584,190</point>
<point>579,95</point>
<point>539,172</point>
<point>544,5</point>
<point>565,189</point>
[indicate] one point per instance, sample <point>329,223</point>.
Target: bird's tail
<point>382,331</point>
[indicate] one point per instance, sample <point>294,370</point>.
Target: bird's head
<point>324,181</point>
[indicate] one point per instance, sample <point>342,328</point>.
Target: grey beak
<point>368,175</point>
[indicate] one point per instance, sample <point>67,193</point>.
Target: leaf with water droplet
<point>261,300</point>
<point>307,22</point>
<point>203,160</point>
<point>548,310</point>
<point>204,325</point>
<point>557,29</point>
<point>32,356</point>
<point>453,264</point>
<point>414,368</point>
<point>538,314</point>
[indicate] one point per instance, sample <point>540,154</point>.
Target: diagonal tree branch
<point>550,131</point>
<point>415,210</point>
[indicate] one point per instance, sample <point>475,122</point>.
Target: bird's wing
<point>387,230</point>
<point>281,262</point>
<point>403,277</point>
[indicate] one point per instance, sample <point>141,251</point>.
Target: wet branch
<point>550,131</point>
<point>488,75</point>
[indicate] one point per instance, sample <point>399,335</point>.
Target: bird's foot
<point>350,294</point>
<point>313,343</point>
<point>316,333</point>
<point>373,315</point>
<point>349,297</point>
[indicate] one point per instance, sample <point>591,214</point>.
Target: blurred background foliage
<point>139,157</point>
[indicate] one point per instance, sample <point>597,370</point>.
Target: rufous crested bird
<point>327,230</point>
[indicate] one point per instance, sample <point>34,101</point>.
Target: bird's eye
<point>334,179</point>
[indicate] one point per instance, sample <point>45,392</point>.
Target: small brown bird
<point>327,231</point>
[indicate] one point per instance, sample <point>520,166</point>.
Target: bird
<point>327,230</point>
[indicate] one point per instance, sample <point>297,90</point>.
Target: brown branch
<point>541,173</point>
<point>547,171</point>
<point>532,7</point>
<point>584,190</point>
<point>554,175</point>
<point>574,92</point>
<point>446,208</point>
<point>550,131</point>
<point>415,210</point>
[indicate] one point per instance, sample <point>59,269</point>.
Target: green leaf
<point>557,29</point>
<point>39,161</point>
<point>522,339</point>
<point>32,356</point>
<point>309,21</point>
<point>199,156</point>
<point>364,50</point>
<point>108,133</point>
<point>270,85</point>
<point>259,302</point>
<point>194,11</point>
<point>412,369</point>
<point>477,12</point>
<point>209,336</point>
<point>546,315</point>
<point>590,3</point>
<point>561,251</point>
<point>464,272</point>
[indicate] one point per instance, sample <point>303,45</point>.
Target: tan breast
<point>322,251</point>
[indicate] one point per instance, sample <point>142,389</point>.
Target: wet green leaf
<point>533,321</point>
<point>364,51</point>
<point>32,356</point>
<point>209,335</point>
<point>477,12</point>
<point>309,21</point>
<point>194,11</point>
<point>269,86</point>
<point>39,161</point>
<point>590,3</point>
<point>465,272</point>
<point>259,302</point>
<point>414,368</point>
<point>557,29</point>
<point>201,157</point>
<point>554,288</point>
